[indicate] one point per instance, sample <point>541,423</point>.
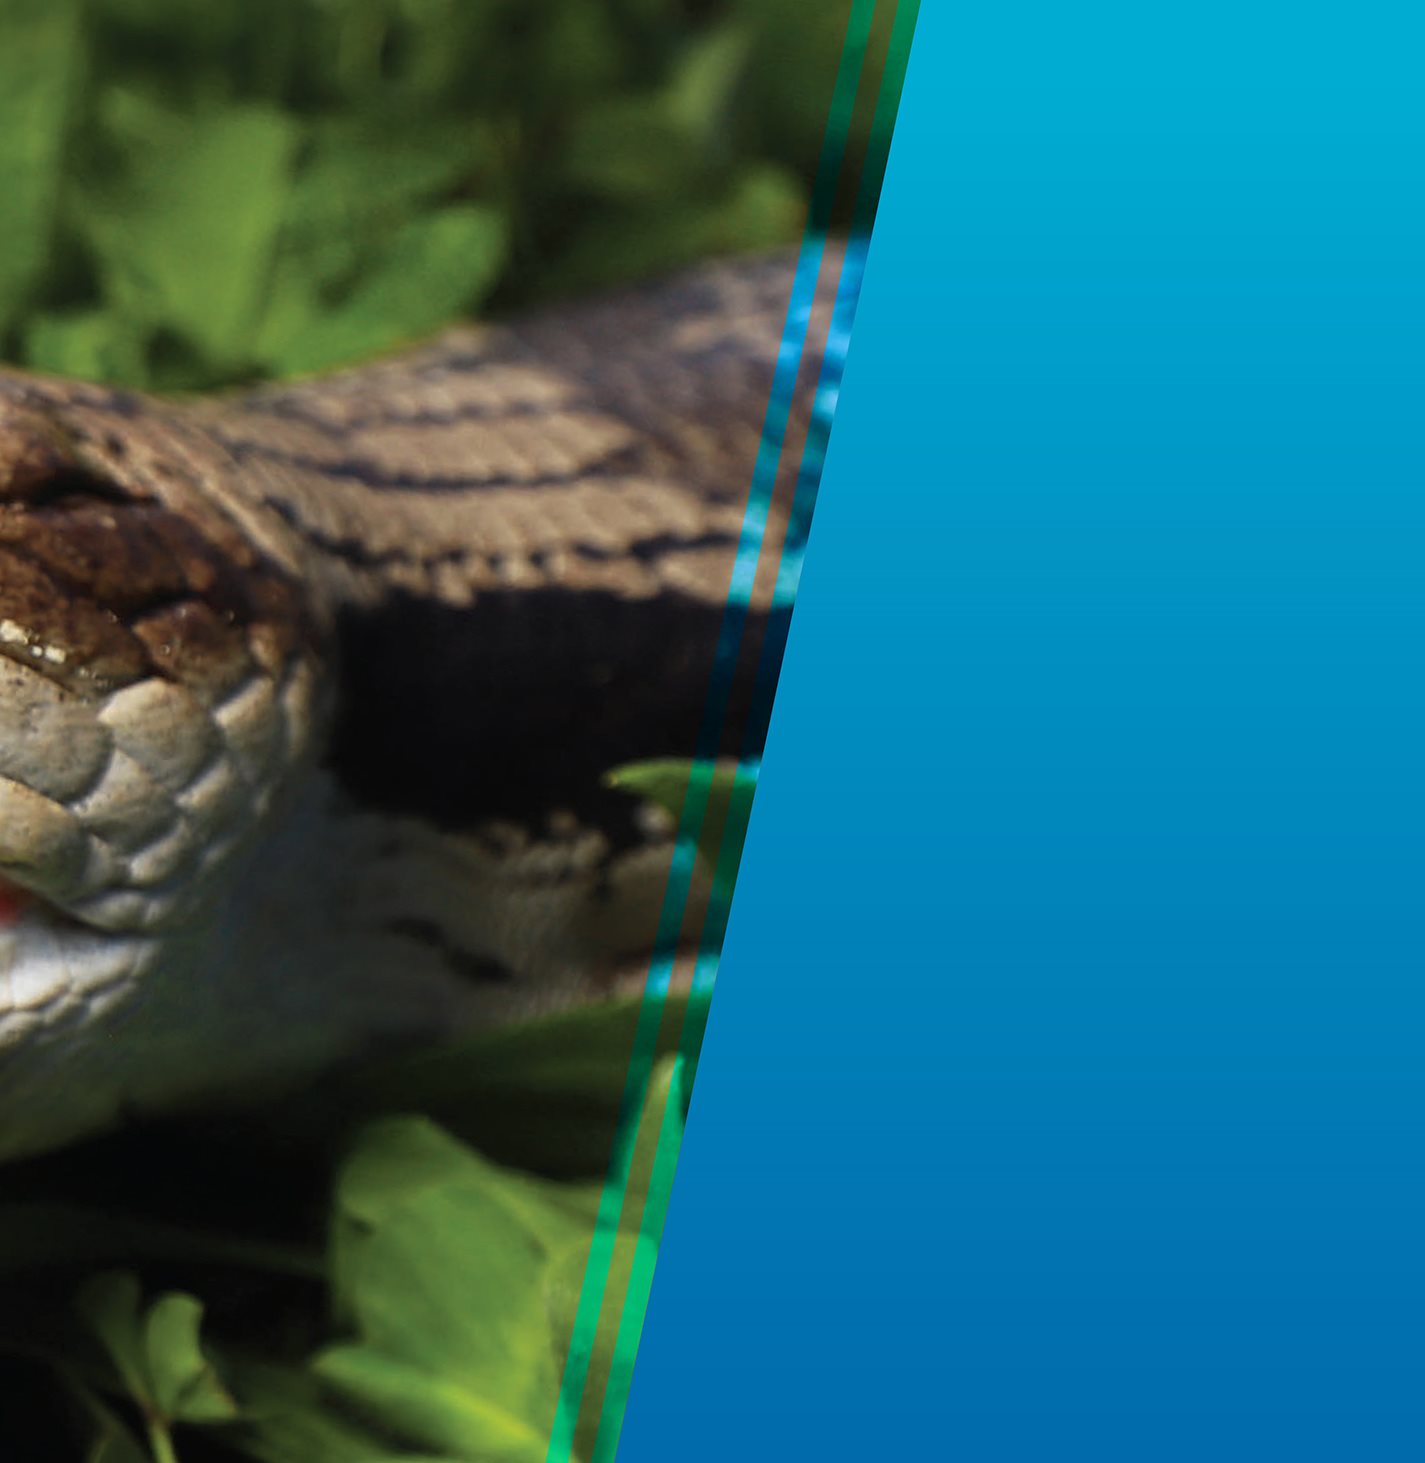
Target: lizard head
<point>154,690</point>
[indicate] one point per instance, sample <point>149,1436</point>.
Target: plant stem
<point>160,1443</point>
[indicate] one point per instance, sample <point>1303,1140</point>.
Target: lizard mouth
<point>52,967</point>
<point>13,903</point>
<point>22,907</point>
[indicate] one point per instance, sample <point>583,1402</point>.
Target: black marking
<point>618,462</point>
<point>288,407</point>
<point>518,703</point>
<point>656,547</point>
<point>356,551</point>
<point>465,963</point>
<point>463,362</point>
<point>78,485</point>
<point>114,401</point>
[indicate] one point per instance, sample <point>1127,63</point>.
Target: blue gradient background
<point>1064,1091</point>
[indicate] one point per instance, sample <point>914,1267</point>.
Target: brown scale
<point>34,454</point>
<point>101,587</point>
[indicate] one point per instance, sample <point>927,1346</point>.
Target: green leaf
<point>185,1386</point>
<point>357,173</point>
<point>435,1411</point>
<point>109,1304</point>
<point>764,208</point>
<point>632,147</point>
<point>439,1263</point>
<point>117,1446</point>
<point>430,271</point>
<point>670,142</point>
<point>461,1282</point>
<point>158,1357</point>
<point>438,1258</point>
<point>290,1419</point>
<point>110,1440</point>
<point>665,1107</point>
<point>40,70</point>
<point>543,1095</point>
<point>723,792</point>
<point>185,222</point>
<point>94,345</point>
<point>635,1248</point>
<point>700,90</point>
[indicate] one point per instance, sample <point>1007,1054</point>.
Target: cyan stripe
<point>650,1016</point>
<point>809,475</point>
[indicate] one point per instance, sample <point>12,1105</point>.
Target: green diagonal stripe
<point>635,1302</point>
<point>611,1203</point>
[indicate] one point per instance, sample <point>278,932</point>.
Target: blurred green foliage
<point>365,1289</point>
<point>201,192</point>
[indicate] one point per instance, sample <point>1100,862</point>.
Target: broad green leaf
<point>356,172</point>
<point>290,1418</point>
<point>544,1095</point>
<point>186,223</point>
<point>432,1410</point>
<point>41,61</point>
<point>462,1281</point>
<point>438,1262</point>
<point>298,300</point>
<point>432,270</point>
<point>185,1386</point>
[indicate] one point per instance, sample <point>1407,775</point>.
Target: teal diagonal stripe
<point>612,1197</point>
<point>635,1303</point>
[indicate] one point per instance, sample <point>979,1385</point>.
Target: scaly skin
<point>306,695</point>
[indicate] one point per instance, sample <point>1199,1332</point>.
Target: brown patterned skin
<point>391,627</point>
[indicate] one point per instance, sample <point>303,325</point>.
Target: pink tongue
<point>12,903</point>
